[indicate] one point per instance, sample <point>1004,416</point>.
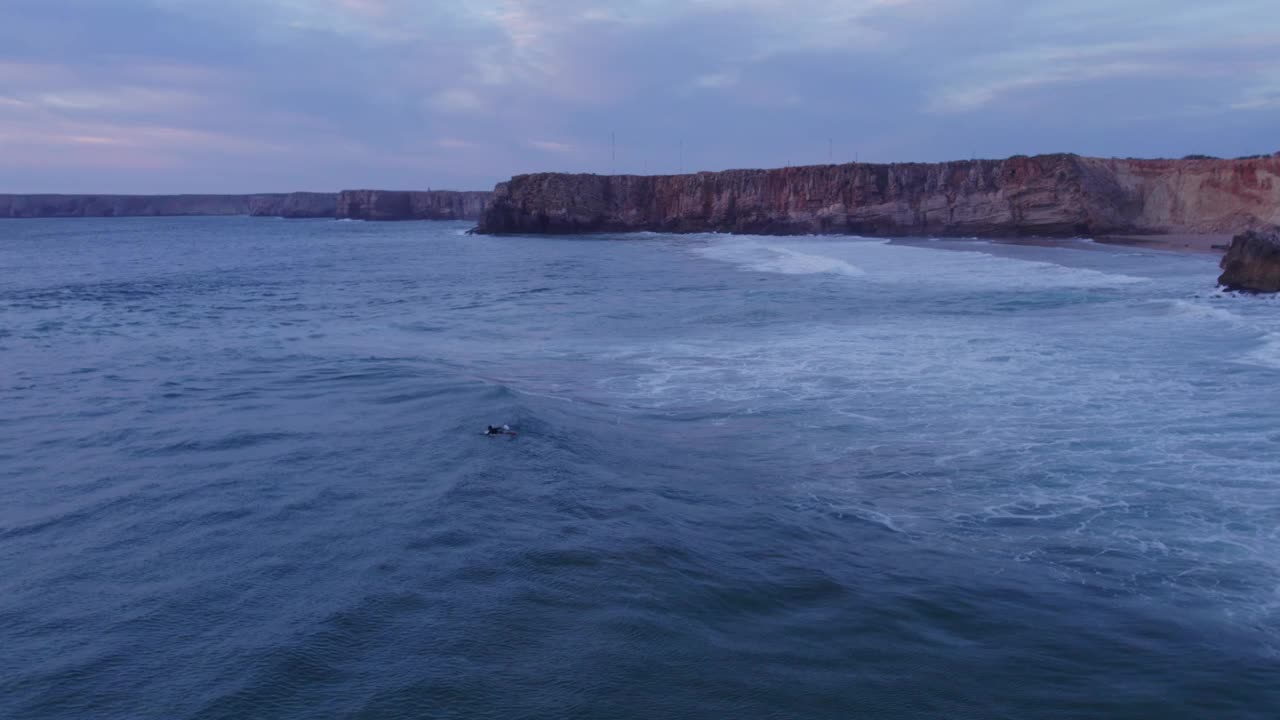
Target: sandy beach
<point>1196,243</point>
<point>1215,244</point>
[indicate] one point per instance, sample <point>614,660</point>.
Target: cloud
<point>368,8</point>
<point>716,80</point>
<point>1263,95</point>
<point>1083,45</point>
<point>1258,103</point>
<point>164,95</point>
<point>118,99</point>
<point>1259,98</point>
<point>454,144</point>
<point>550,146</point>
<point>977,96</point>
<point>457,100</point>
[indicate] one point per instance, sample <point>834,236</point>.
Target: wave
<point>884,261</point>
<point>1186,308</point>
<point>1268,355</point>
<point>233,441</point>
<point>777,259</point>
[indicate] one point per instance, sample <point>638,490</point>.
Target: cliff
<point>1202,195</point>
<point>358,204</point>
<point>1051,195</point>
<point>37,206</point>
<point>411,205</point>
<point>1252,263</point>
<point>293,205</point>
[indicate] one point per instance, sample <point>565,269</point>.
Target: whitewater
<point>242,474</point>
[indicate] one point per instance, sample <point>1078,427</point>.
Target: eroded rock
<point>1252,263</point>
<point>1047,195</point>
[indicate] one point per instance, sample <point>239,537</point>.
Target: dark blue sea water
<point>242,476</point>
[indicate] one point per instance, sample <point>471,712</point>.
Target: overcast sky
<point>265,95</point>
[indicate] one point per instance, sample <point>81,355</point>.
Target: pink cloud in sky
<point>427,92</point>
<point>374,8</point>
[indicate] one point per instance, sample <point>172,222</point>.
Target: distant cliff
<point>411,205</point>
<point>358,204</point>
<point>1049,195</point>
<point>293,205</point>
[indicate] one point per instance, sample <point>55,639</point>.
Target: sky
<point>162,96</point>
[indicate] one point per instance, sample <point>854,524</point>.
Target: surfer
<point>504,430</point>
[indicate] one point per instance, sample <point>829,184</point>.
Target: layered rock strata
<point>1252,262</point>
<point>1047,195</point>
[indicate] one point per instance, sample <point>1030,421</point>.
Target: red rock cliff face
<point>411,205</point>
<point>1201,196</point>
<point>1043,195</point>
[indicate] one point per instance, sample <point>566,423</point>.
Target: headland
<point>1063,195</point>
<point>348,204</point>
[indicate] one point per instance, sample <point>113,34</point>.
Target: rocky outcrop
<point>293,205</point>
<point>1050,195</point>
<point>1252,263</point>
<point>411,205</point>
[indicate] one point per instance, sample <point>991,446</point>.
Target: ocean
<point>243,475</point>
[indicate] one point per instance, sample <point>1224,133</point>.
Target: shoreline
<point>1184,243</point>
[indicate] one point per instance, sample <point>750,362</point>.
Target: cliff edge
<point>1046,195</point>
<point>1252,263</point>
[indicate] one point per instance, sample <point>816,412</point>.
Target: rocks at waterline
<point>1252,262</point>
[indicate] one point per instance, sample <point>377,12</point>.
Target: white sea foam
<point>1252,317</point>
<point>760,257</point>
<point>1202,310</point>
<point>1268,354</point>
<point>1081,438</point>
<point>885,262</point>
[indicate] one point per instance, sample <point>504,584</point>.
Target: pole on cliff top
<point>613,156</point>
<point>681,157</point>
